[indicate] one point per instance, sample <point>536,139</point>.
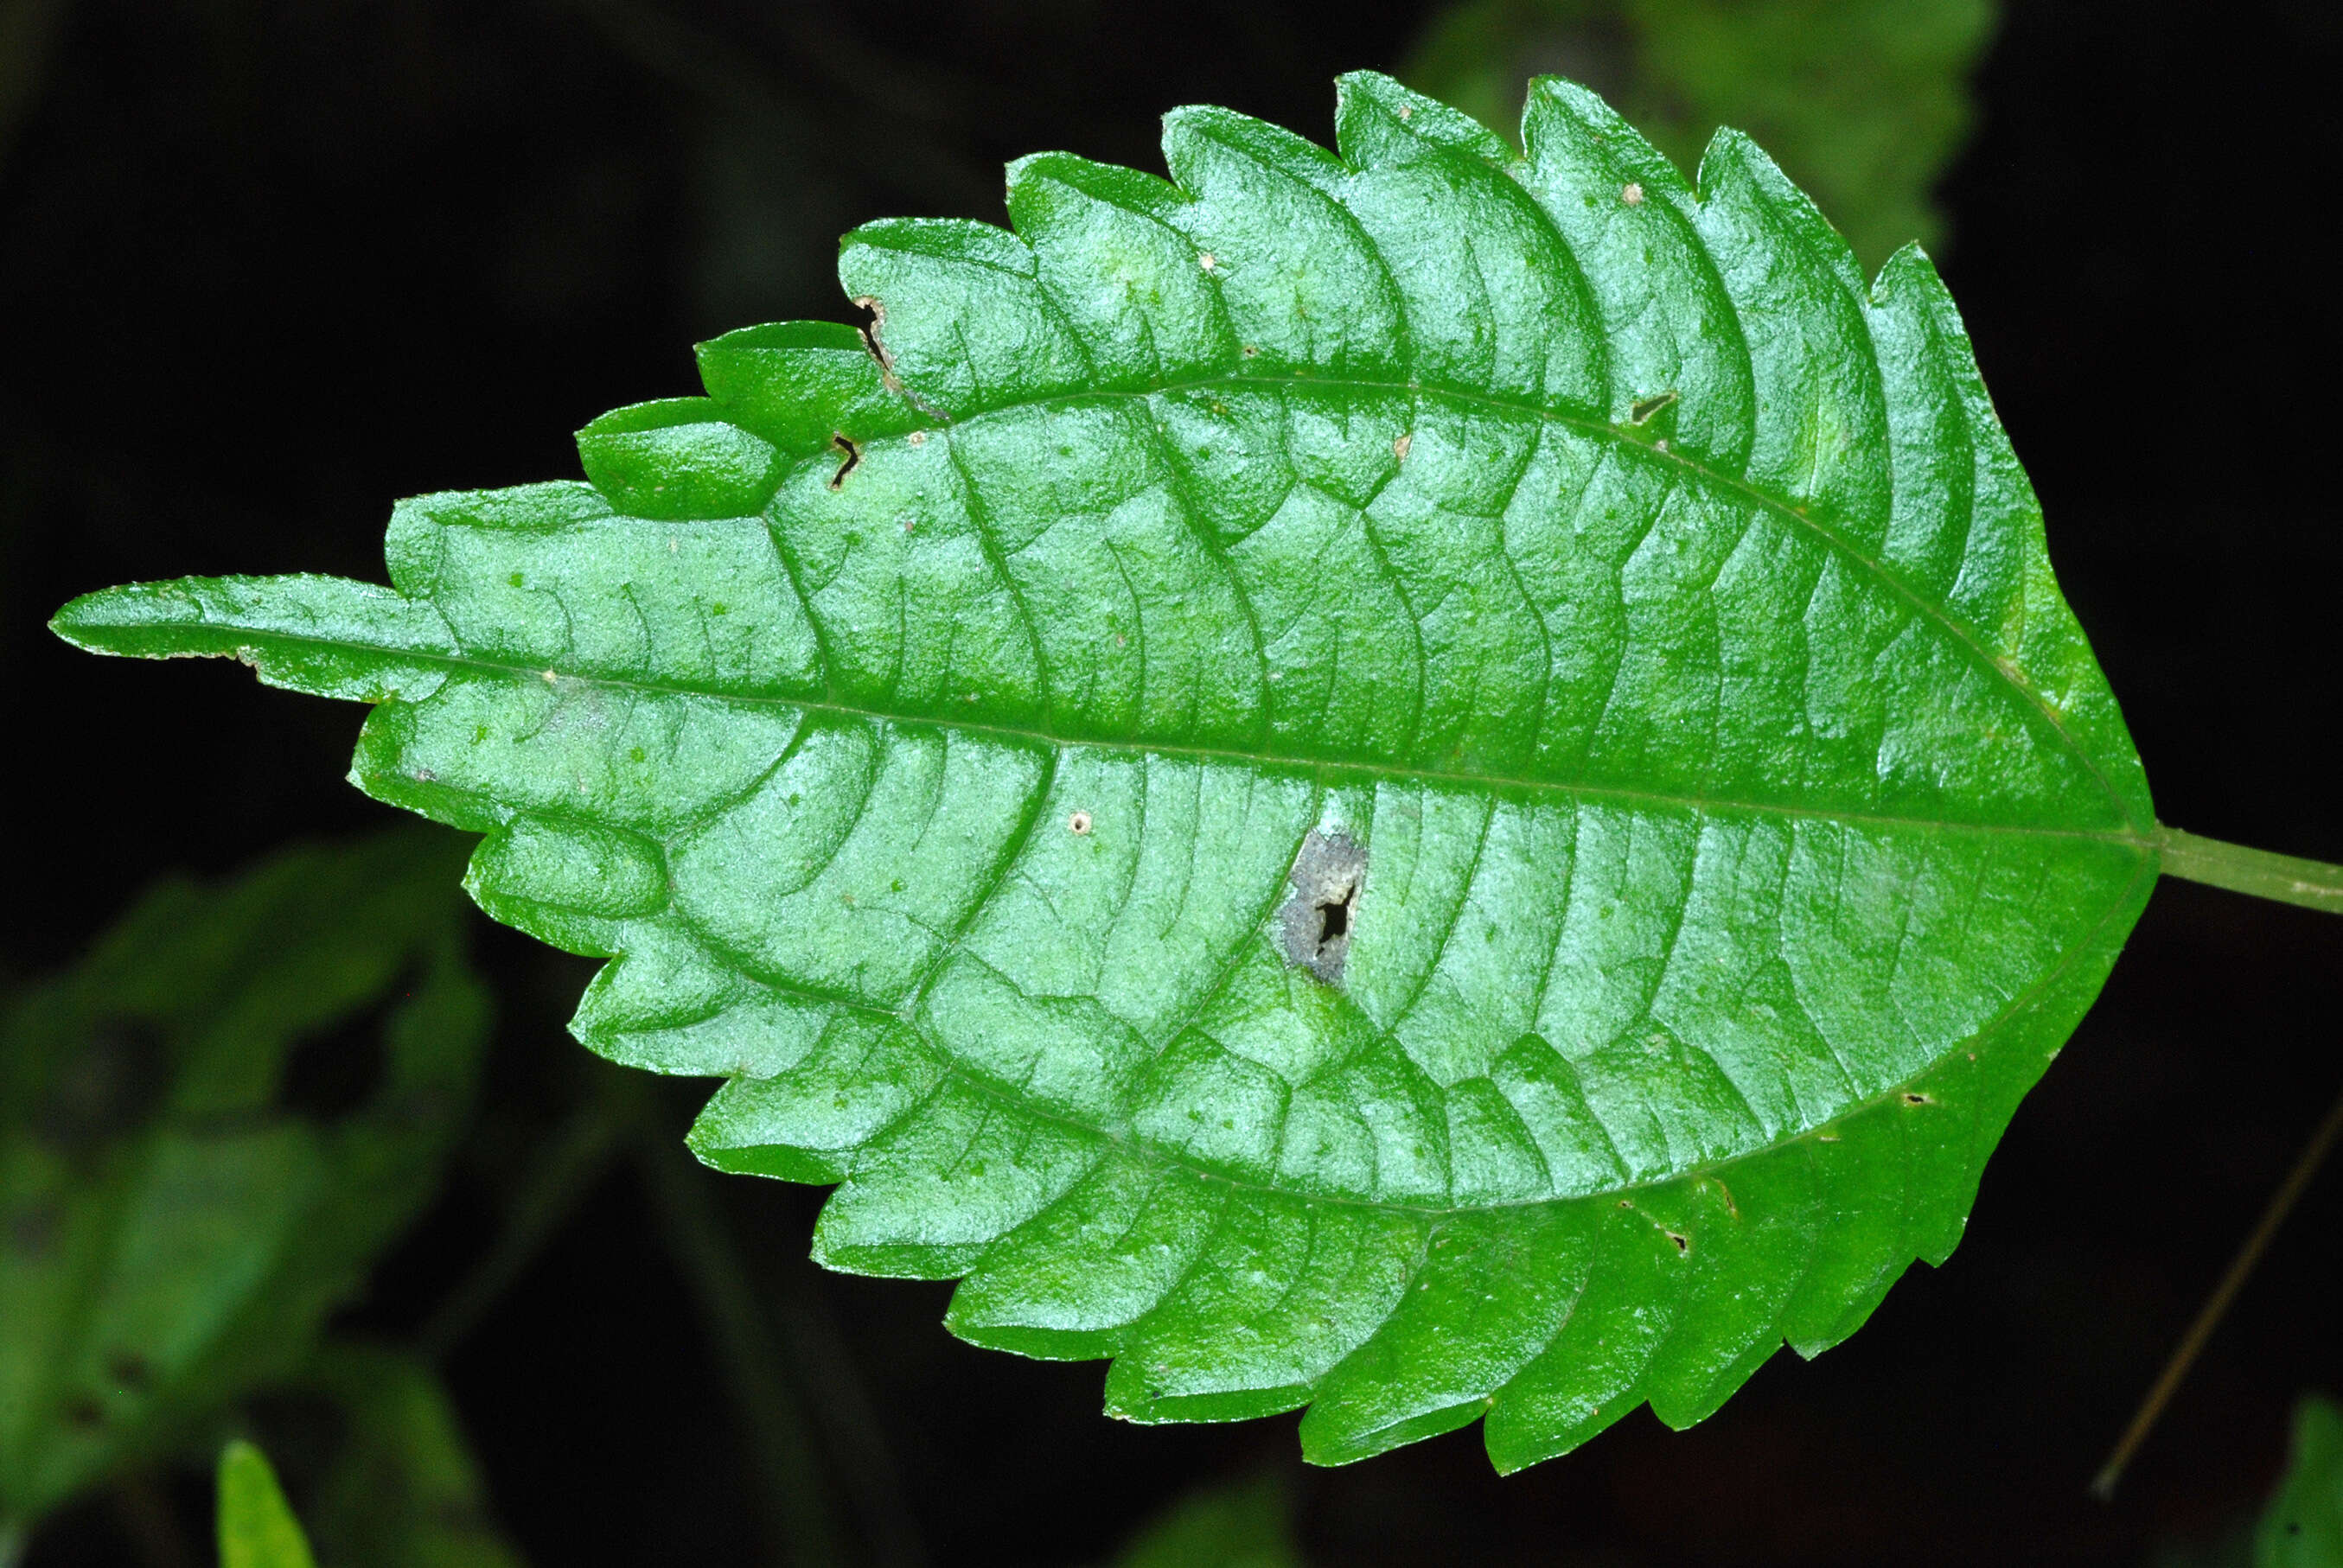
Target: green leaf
<point>1414,782</point>
<point>1864,101</point>
<point>404,1490</point>
<point>2303,1527</point>
<point>256,1527</point>
<point>1244,1525</point>
<point>194,1166</point>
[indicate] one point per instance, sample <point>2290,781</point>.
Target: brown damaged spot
<point>852,460</point>
<point>870,327</point>
<point>1314,924</point>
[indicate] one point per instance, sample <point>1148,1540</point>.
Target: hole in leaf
<point>1915,1099</point>
<point>853,461</point>
<point>1316,922</point>
<point>870,315</point>
<point>1335,919</point>
<point>1683,1243</point>
<point>1641,411</point>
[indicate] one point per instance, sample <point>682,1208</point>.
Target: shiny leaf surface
<point>1417,781</point>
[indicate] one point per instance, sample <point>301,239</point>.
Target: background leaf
<point>2303,1527</point>
<point>208,1131</point>
<point>1244,1525</point>
<point>1864,102</point>
<point>1340,840</point>
<point>256,1527</point>
<point>403,1490</point>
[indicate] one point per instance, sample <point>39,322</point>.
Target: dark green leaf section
<point>403,1489</point>
<point>206,1131</point>
<point>1244,1525</point>
<point>1643,616</point>
<point>2303,1526</point>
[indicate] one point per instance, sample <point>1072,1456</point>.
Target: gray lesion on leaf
<point>1314,924</point>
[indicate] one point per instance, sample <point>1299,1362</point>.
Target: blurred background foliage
<point>208,1129</point>
<point>269,1171</point>
<point>1862,102</point>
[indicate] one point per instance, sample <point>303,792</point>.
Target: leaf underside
<point>1422,783</point>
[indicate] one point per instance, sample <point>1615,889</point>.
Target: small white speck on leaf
<point>1399,447</point>
<point>1407,111</point>
<point>917,438</point>
<point>1633,194</point>
<point>1080,822</point>
<point>1207,259</point>
<point>550,677</point>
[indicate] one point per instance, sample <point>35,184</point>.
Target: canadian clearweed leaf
<point>1428,784</point>
<point>208,1131</point>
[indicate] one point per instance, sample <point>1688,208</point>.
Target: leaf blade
<point>1721,860</point>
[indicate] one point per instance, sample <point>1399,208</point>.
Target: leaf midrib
<point>1319,768</point>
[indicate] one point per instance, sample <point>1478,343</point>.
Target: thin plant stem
<point>2210,1316</point>
<point>795,1503</point>
<point>2313,884</point>
<point>561,1175</point>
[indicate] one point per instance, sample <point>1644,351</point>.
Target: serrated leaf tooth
<point>1108,245</point>
<point>1451,1343</point>
<point>1070,1281</point>
<point>1303,286</point>
<point>925,1200</point>
<point>679,457</point>
<point>1379,123</point>
<point>1589,1375</point>
<point>809,1121</point>
<point>1634,255</point>
<point>1312,1281</point>
<point>800,384</point>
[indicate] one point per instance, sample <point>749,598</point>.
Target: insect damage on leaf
<point>1316,922</point>
<point>1733,818</point>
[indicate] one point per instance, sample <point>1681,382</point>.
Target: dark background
<point>265,267</point>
